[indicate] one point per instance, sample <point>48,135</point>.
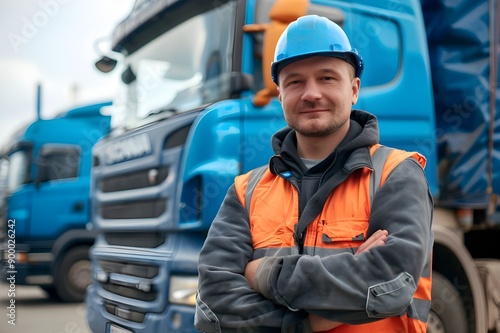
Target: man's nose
<point>311,91</point>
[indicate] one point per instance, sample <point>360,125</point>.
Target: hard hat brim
<point>350,57</point>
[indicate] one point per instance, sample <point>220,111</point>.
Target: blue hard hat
<point>313,35</point>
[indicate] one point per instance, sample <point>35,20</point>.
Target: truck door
<point>61,198</point>
<point>19,189</point>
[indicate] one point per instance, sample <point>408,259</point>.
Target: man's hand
<point>378,238</point>
<point>319,324</point>
<point>250,271</point>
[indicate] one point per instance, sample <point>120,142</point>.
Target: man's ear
<point>279,93</point>
<point>356,83</point>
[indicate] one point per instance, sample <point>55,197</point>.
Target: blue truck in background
<point>46,202</point>
<point>191,124</point>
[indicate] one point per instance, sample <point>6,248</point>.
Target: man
<point>303,245</point>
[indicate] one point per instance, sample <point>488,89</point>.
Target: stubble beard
<point>317,130</point>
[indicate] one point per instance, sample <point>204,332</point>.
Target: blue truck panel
<point>460,53</point>
<point>47,198</point>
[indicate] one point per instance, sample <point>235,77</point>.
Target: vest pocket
<point>344,231</point>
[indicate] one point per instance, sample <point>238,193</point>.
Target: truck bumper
<point>28,268</point>
<point>175,318</point>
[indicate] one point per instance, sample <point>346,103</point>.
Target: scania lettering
<point>129,148</point>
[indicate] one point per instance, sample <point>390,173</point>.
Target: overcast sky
<point>53,42</point>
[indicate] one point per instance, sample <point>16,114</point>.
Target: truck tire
<point>74,274</point>
<point>447,310</point>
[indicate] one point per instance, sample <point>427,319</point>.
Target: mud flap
<point>490,275</point>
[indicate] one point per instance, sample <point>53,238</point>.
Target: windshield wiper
<point>170,112</point>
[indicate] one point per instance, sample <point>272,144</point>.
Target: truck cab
<point>46,204</point>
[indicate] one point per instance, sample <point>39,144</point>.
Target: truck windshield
<point>185,67</point>
<point>17,170</point>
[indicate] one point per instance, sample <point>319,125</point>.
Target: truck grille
<point>129,292</point>
<point>142,239</point>
<point>134,180</point>
<point>142,271</point>
<point>134,210</point>
<point>129,279</point>
<point>127,314</point>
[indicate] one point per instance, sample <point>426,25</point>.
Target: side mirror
<point>128,75</point>
<point>106,64</point>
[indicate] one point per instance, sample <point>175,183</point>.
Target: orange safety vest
<point>274,229</point>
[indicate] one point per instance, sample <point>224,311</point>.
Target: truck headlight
<point>18,256</point>
<point>183,290</point>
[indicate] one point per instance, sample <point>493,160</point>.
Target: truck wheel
<point>74,274</point>
<point>447,310</point>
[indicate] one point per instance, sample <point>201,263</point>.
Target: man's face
<point>317,94</point>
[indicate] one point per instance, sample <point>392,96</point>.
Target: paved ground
<point>34,312</point>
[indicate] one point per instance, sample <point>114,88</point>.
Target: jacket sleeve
<point>376,284</point>
<point>225,300</point>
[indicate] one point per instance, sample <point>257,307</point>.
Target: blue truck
<point>192,124</point>
<point>45,205</point>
